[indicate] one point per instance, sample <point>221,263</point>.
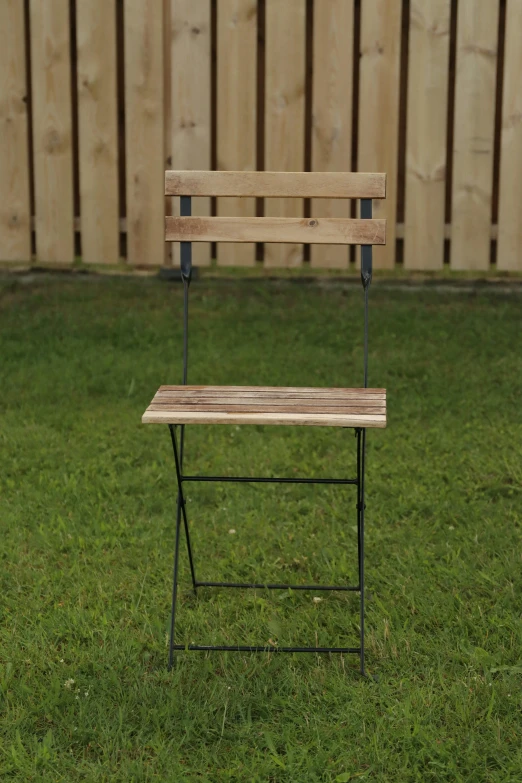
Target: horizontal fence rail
<point>101,97</point>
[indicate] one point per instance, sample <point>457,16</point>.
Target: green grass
<point>87,497</point>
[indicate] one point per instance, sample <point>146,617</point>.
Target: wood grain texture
<point>97,131</point>
<point>236,111</point>
<point>332,88</point>
<point>509,250</point>
<point>15,228</point>
<point>52,137</point>
<point>144,102</point>
<point>475,86</point>
<point>268,405</point>
<point>272,391</point>
<point>426,133</point>
<point>379,75</point>
<point>331,185</point>
<point>167,114</point>
<point>190,49</point>
<point>284,111</point>
<point>339,231</point>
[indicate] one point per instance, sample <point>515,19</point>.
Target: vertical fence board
<point>98,140</point>
<point>284,112</point>
<point>378,137</point>
<point>236,111</point>
<point>167,125</point>
<point>15,226</point>
<point>191,102</point>
<point>52,134</point>
<point>477,31</point>
<point>509,251</point>
<point>332,113</point>
<point>143,22</point>
<point>426,133</point>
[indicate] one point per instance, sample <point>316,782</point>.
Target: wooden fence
<point>98,97</point>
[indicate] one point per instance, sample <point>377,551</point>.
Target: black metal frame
<point>181,512</point>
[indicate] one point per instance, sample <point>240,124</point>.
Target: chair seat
<point>267,405</point>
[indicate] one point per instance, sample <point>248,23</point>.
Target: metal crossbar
<point>181,512</point>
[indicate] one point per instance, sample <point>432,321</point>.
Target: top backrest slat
<point>268,184</point>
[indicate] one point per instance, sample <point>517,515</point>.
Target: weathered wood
<point>190,102</point>
<point>15,229</point>
<point>266,184</point>
<point>236,111</point>
<point>284,111</point>
<point>236,395</point>
<point>378,138</point>
<point>52,135</point>
<point>340,231</point>
<point>426,133</point>
<point>476,67</point>
<point>235,398</point>
<point>97,131</point>
<point>509,250</point>
<point>167,117</point>
<point>144,102</point>
<point>332,111</point>
<point>268,405</point>
<point>310,419</point>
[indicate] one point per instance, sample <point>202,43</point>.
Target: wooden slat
<point>378,136</point>
<point>476,66</point>
<point>144,100</point>
<point>340,231</point>
<point>15,230</point>
<point>264,399</point>
<point>97,131</point>
<point>284,110</point>
<point>310,419</point>
<point>312,390</point>
<point>167,116</point>
<point>333,33</point>
<point>426,133</point>
<point>226,407</point>
<point>236,111</point>
<point>190,100</point>
<point>52,137</point>
<point>509,251</point>
<point>266,184</point>
<point>377,404</point>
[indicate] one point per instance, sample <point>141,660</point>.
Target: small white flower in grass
<point>86,694</point>
<point>451,527</point>
<point>61,660</point>
<point>231,531</point>
<point>316,599</point>
<point>68,684</point>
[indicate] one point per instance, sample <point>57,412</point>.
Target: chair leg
<point>181,500</point>
<point>361,447</point>
<point>180,512</point>
<point>174,584</point>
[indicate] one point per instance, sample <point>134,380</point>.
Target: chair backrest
<point>271,184</point>
<point>365,231</point>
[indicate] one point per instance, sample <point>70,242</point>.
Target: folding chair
<point>357,408</point>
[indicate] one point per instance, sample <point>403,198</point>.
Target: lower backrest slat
<point>334,231</point>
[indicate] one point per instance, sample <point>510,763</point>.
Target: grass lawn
<point>87,499</point>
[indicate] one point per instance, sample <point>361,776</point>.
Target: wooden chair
<point>358,408</point>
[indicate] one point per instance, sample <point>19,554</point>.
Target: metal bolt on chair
<point>357,408</point>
